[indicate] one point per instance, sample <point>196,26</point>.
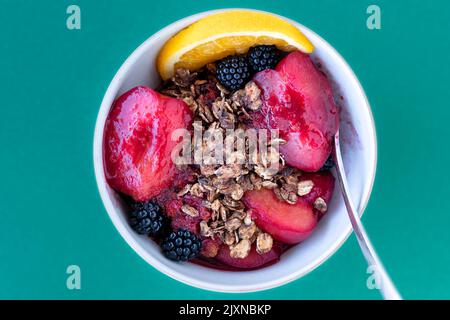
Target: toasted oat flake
<point>229,171</point>
<point>196,190</point>
<point>292,198</point>
<point>284,193</point>
<point>212,195</point>
<point>320,205</point>
<point>230,203</point>
<point>304,187</point>
<point>248,219</point>
<point>265,173</point>
<point>269,184</point>
<point>200,82</point>
<point>240,250</point>
<point>214,216</point>
<point>245,183</point>
<point>239,215</point>
<point>237,192</point>
<point>185,190</point>
<point>223,213</point>
<point>225,186</point>
<point>237,98</point>
<point>236,236</point>
<point>215,205</point>
<point>247,232</point>
<point>229,238</point>
<point>256,181</point>
<point>208,113</point>
<point>233,224</point>
<point>216,224</point>
<point>217,108</point>
<point>207,170</point>
<point>183,77</point>
<point>205,230</point>
<point>252,96</point>
<point>264,243</point>
<point>191,103</point>
<point>190,211</point>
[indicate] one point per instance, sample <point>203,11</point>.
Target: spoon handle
<point>387,288</point>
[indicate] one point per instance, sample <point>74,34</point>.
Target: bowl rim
<point>103,111</point>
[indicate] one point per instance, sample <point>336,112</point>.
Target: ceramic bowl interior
<point>359,153</point>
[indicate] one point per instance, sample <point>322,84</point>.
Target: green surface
<point>53,80</point>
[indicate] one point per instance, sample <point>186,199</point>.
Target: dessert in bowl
<point>270,223</point>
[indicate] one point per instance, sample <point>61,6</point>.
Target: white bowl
<point>359,153</point>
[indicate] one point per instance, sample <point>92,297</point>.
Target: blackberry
<point>233,72</point>
<point>328,164</point>
<point>263,57</point>
<point>147,218</point>
<point>181,245</point>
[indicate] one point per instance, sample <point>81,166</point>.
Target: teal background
<point>52,81</point>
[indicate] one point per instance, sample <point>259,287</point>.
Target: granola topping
<point>247,232</point>
<point>248,220</point>
<point>222,186</point>
<point>304,187</point>
<point>190,211</point>
<point>320,205</point>
<point>229,238</point>
<point>264,243</point>
<point>240,250</point>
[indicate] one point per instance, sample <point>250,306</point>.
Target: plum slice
<point>298,100</point>
<point>138,142</point>
<point>287,223</point>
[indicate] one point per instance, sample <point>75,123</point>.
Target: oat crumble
<point>223,186</point>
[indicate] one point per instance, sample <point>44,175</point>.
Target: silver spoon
<point>387,288</point>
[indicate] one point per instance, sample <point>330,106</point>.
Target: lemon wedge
<point>225,33</point>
